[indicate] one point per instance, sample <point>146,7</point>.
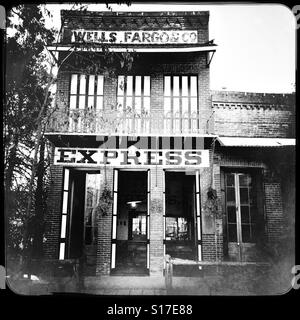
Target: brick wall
<point>212,245</point>
<point>288,191</point>
<point>63,90</point>
<point>209,247</point>
<point>104,235</point>
<point>110,92</point>
<point>156,223</point>
<point>130,21</point>
<point>253,114</point>
<point>273,206</point>
<point>53,216</point>
<point>157,95</point>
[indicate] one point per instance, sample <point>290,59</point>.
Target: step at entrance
<point>120,282</point>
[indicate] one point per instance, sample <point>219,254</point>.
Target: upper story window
<point>180,94</point>
<point>134,93</point>
<point>86,91</point>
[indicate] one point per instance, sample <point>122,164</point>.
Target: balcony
<point>99,122</point>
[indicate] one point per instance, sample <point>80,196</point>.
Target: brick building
<point>196,174</point>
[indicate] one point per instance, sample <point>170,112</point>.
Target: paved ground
<point>121,285</point>
<point>241,281</point>
<point>127,292</point>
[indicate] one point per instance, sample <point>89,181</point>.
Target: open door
<point>130,235</point>
<point>79,220</point>
<point>93,181</point>
<point>180,215</point>
<point>76,217</point>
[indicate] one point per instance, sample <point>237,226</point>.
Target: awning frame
<point>210,48</point>
<point>255,142</point>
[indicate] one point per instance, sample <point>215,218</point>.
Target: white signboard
<point>136,37</point>
<point>125,157</point>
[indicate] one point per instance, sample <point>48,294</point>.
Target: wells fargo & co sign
<point>136,37</point>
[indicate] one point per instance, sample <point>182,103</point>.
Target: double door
<point>244,219</point>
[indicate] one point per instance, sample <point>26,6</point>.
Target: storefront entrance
<point>131,243</point>
<point>244,215</point>
<point>180,215</point>
<point>79,224</point>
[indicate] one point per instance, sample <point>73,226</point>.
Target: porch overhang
<point>96,140</point>
<point>255,142</point>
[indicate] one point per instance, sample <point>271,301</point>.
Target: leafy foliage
<point>27,111</point>
<point>25,93</point>
<point>212,203</point>
<point>156,205</point>
<point>105,201</point>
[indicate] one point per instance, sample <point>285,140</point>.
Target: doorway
<point>84,193</point>
<point>180,215</point>
<point>132,224</point>
<point>244,215</point>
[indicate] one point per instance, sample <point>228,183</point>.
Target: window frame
<point>180,95</point>
<point>256,175</point>
<point>86,95</point>
<point>122,94</point>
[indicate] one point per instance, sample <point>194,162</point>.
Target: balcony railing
<point>123,123</point>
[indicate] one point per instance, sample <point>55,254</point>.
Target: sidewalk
<point>124,285</point>
<point>229,281</point>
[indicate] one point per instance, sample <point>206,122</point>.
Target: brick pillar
<point>63,89</point>
<point>156,223</point>
<point>204,95</point>
<point>53,215</point>
<point>219,239</point>
<point>110,90</point>
<point>219,219</point>
<point>273,206</point>
<point>157,94</point>
<point>104,234</point>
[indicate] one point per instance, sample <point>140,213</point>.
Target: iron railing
<point>118,122</point>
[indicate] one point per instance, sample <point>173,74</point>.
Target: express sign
<point>126,157</point>
<point>135,37</point>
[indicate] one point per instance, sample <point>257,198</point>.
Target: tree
<point>25,84</point>
<point>28,109</point>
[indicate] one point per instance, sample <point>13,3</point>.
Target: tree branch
<point>18,14</point>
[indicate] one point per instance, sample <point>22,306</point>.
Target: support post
<point>168,272</point>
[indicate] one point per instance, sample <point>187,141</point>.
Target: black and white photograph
<point>149,150</point>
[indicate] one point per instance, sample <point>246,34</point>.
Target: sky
<point>256,43</point>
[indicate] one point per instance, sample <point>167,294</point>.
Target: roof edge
<point>250,93</point>
<point>133,13</point>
